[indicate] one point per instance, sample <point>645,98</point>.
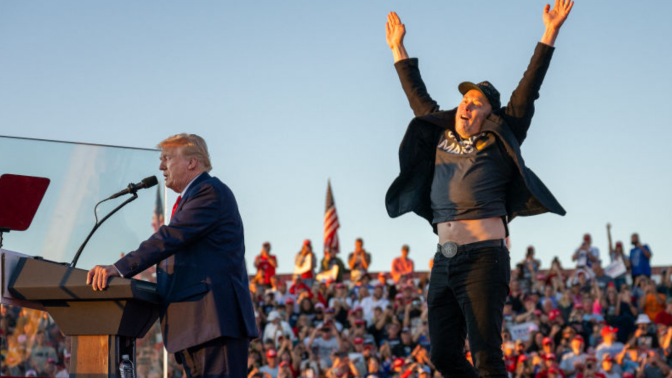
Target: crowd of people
<point>605,317</point>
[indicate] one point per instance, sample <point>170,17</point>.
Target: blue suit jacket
<point>201,272</point>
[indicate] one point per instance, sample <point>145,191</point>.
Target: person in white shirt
<point>574,361</point>
<point>277,327</point>
<point>586,255</point>
<point>371,302</point>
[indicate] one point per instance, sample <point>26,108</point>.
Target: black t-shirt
<point>470,178</point>
<point>403,350</point>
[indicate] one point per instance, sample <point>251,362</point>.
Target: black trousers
<point>466,298</point>
<point>221,357</point>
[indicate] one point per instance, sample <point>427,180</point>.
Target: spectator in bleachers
<point>323,342</point>
<point>279,289</point>
<point>359,260</point>
<point>402,266</point>
<point>373,301</point>
<point>574,361</point>
<point>271,368</point>
<point>331,262</point>
<point>609,345</point>
<point>665,286</point>
<point>609,367</point>
<point>602,279</point>
<point>40,353</point>
<point>617,254</point>
<point>277,329</point>
<point>665,317</point>
<point>586,255</point>
<point>651,302</point>
<point>405,346</point>
<point>652,365</point>
<point>640,258</point>
<point>265,264</point>
<point>304,263</point>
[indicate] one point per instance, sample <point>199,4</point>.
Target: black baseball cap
<point>485,87</point>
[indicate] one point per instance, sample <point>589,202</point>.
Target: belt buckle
<point>449,249</point>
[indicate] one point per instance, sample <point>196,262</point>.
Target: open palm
<point>394,30</point>
<point>554,18</point>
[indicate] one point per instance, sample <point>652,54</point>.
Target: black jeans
<point>466,297</point>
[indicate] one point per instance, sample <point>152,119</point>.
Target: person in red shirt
<point>402,267</point>
<point>265,264</point>
<point>665,317</point>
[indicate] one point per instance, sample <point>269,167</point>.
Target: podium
<point>103,324</point>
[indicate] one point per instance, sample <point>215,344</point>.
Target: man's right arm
<point>407,69</point>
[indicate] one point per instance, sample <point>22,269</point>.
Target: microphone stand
<point>95,227</point>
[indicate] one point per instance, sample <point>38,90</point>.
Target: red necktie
<point>179,198</point>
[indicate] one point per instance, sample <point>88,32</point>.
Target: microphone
<point>146,183</point>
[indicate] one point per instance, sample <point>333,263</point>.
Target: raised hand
<point>554,18</point>
<point>394,30</point>
<point>394,34</point>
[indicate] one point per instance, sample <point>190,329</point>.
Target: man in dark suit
<point>207,316</point>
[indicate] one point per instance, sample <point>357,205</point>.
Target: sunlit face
<point>177,169</point>
<point>471,113</point>
<point>607,365</point>
<point>577,345</point>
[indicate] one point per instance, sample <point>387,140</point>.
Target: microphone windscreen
<point>148,182</point>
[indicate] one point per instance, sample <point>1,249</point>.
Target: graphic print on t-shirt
<point>450,143</point>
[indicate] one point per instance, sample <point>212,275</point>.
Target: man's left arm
<point>520,109</point>
<point>196,218</point>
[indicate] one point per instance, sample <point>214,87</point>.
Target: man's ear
<point>193,163</point>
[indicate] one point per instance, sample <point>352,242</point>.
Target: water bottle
<point>126,367</point>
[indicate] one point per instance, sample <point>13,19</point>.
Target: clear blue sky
<point>290,93</point>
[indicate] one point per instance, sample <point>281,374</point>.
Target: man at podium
<point>207,318</point>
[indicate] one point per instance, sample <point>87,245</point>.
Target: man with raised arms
<point>462,170</point>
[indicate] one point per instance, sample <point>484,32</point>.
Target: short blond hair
<point>191,145</point>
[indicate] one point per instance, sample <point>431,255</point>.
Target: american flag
<point>330,222</point>
<point>157,217</point>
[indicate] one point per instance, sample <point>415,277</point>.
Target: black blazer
<point>201,274</point>
<point>410,191</point>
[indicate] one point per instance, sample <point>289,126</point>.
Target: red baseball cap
<point>549,356</point>
<point>586,237</point>
<point>554,314</point>
<point>398,362</point>
<point>608,329</point>
<point>289,300</point>
<point>358,340</point>
<point>547,340</point>
<point>284,363</point>
<point>271,353</point>
<point>578,337</point>
<point>307,242</point>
